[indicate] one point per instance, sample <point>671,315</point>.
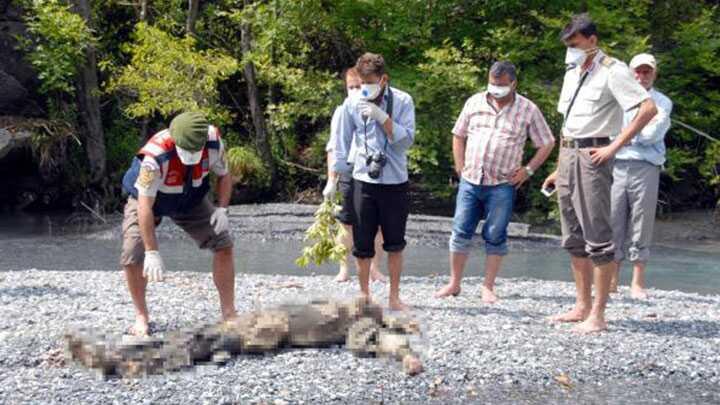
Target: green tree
<point>167,75</point>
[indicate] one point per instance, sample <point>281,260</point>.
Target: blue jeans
<point>492,203</point>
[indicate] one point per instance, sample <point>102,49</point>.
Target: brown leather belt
<point>584,142</point>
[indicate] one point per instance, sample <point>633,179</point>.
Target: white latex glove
<point>330,189</point>
<point>153,267</point>
<point>371,110</point>
<point>219,220</point>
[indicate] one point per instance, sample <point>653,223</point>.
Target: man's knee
<point>363,253</point>
<point>459,243</point>
<point>495,234</point>
<point>394,247</point>
<point>577,251</point>
<point>133,252</point>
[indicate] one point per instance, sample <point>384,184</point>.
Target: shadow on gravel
<point>564,299</point>
<point>37,291</point>
<point>483,310</point>
<point>689,329</point>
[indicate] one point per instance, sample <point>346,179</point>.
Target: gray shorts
<point>583,190</point>
<point>634,201</point>
<point>196,223</point>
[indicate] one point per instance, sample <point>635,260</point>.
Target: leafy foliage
<point>168,75</point>
<point>57,43</point>
<point>437,50</point>
<point>448,79</point>
<point>246,167</point>
<point>325,233</point>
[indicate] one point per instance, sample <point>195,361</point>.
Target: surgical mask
<point>370,91</point>
<point>188,158</point>
<point>355,94</point>
<point>498,91</point>
<point>576,56</point>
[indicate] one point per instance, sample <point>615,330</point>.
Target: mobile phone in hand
<point>549,191</point>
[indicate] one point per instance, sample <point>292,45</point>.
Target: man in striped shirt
<point>489,138</point>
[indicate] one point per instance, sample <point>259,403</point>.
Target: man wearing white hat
<point>636,176</point>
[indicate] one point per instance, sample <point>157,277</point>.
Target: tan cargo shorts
<point>196,223</point>
<point>583,190</point>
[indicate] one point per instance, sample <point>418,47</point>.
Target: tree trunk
<point>193,6</point>
<point>145,121</point>
<point>143,10</point>
<point>89,104</point>
<point>261,136</point>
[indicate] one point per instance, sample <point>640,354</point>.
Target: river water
<point>34,242</point>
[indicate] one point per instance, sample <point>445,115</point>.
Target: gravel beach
<point>664,350</point>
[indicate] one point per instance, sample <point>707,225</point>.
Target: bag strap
<point>572,101</point>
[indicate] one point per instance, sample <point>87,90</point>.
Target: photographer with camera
<point>380,127</point>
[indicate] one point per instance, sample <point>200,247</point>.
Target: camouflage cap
<point>190,131</point>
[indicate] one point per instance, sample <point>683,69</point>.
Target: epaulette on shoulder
<point>607,61</point>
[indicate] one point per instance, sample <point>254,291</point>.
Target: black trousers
<point>384,206</point>
<point>347,210</point>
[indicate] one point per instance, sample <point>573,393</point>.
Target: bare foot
<point>590,325</point>
<point>614,283</point>
<point>397,305</point>
<point>488,295</point>
<point>412,365</point>
<point>141,328</point>
<point>229,315</point>
<point>574,315</point>
<point>377,276</point>
<point>447,291</point>
<point>342,276</point>
<point>638,293</point>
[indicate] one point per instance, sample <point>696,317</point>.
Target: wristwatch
<point>529,170</point>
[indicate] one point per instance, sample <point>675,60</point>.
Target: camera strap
<point>389,113</point>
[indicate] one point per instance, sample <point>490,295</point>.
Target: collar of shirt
<point>595,61</point>
<point>487,106</point>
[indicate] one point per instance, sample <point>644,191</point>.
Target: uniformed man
<point>596,91</point>
<point>636,178</point>
<point>169,178</point>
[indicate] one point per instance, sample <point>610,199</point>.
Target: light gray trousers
<point>634,200</point>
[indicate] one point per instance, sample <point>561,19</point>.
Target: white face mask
<point>498,91</point>
<point>370,91</point>
<point>187,157</point>
<point>576,56</point>
<point>355,94</point>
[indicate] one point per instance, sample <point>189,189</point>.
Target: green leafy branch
<point>325,232</point>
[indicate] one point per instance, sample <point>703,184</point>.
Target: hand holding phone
<point>548,187</point>
<point>549,190</point>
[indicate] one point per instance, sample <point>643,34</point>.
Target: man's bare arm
<point>459,153</point>
<point>146,221</point>
<point>224,190</point>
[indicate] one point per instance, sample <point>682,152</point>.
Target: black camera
<point>375,164</point>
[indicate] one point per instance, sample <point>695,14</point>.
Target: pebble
<point>506,352</point>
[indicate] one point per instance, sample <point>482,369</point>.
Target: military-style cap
<point>643,59</point>
<point>189,130</point>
